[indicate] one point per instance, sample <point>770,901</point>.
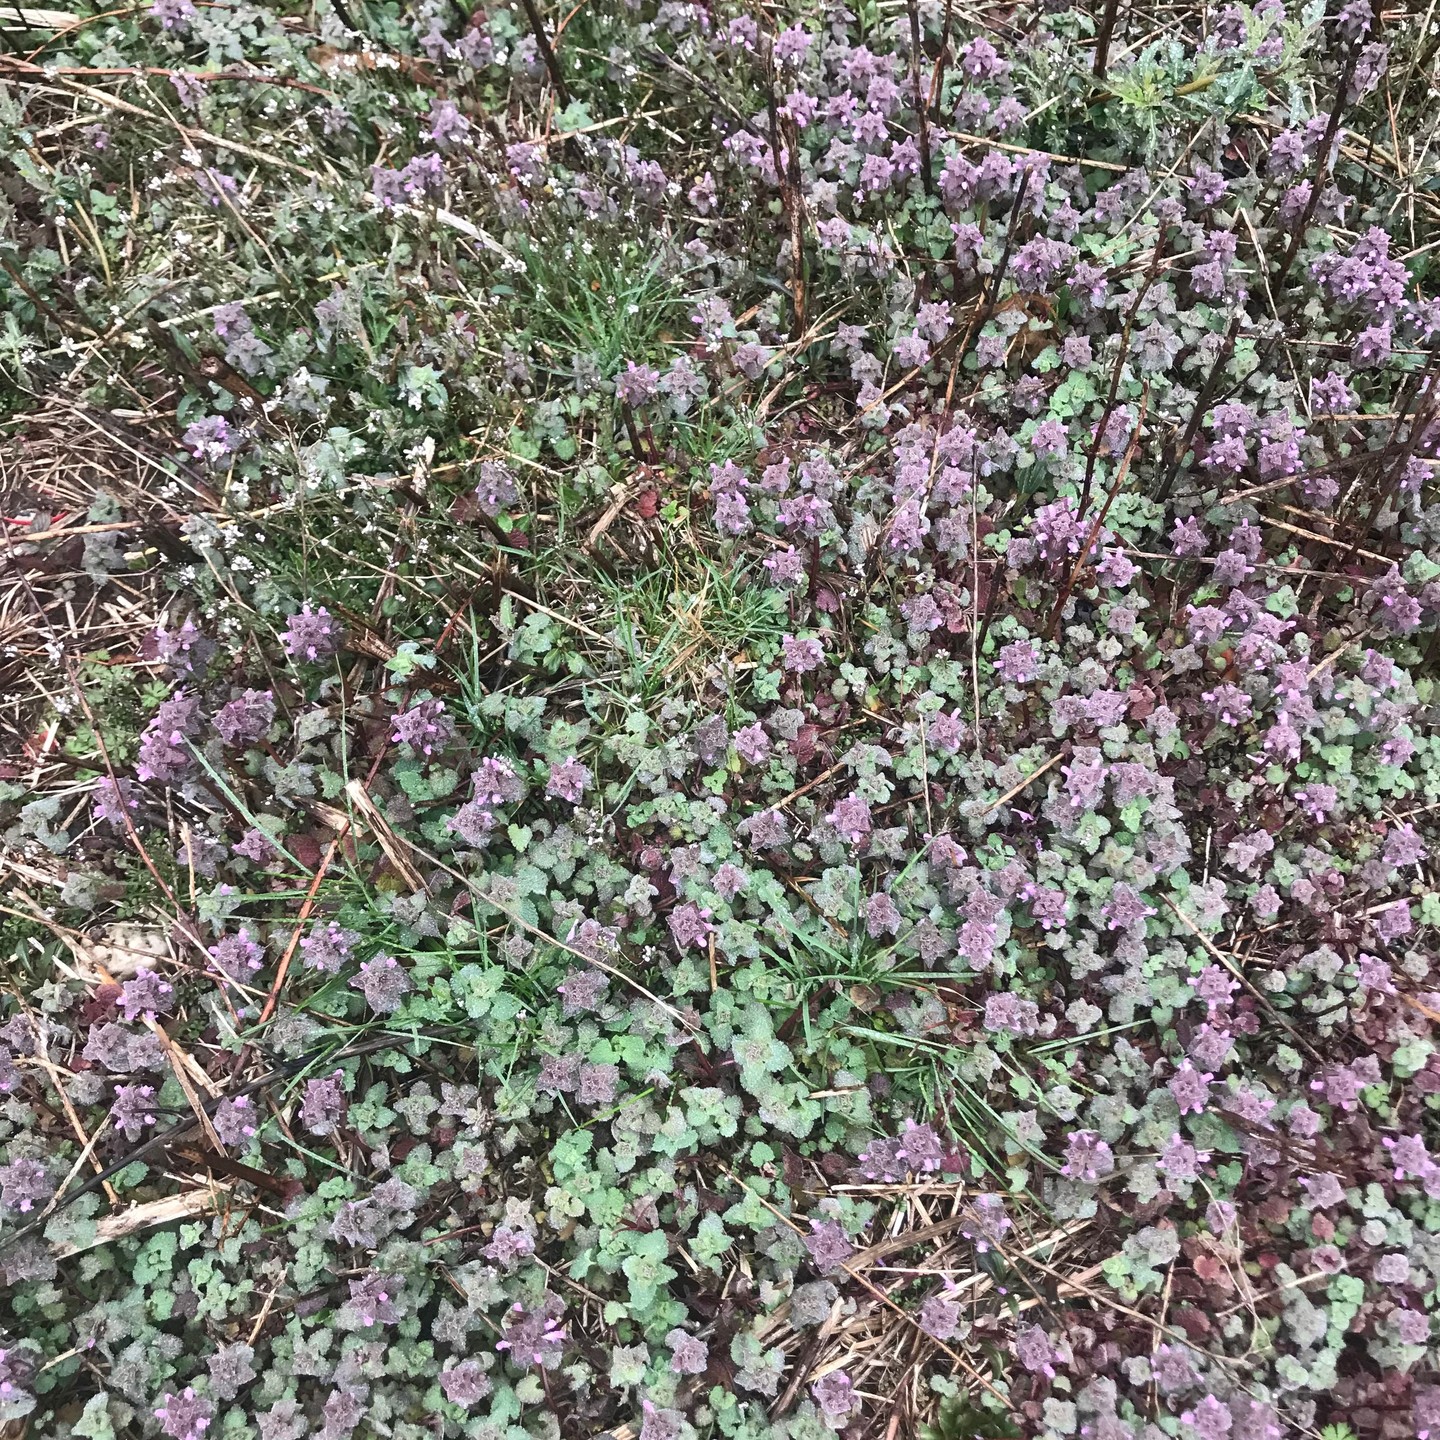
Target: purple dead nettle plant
<point>1070,678</point>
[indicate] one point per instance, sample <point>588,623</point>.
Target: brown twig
<point>922,107</point>
<point>1103,38</point>
<point>542,42</point>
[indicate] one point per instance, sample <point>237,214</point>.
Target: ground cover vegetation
<point>719,720</point>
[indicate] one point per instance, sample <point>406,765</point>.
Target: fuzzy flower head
<point>425,728</point>
<point>535,1335</point>
<point>373,1299</point>
<point>1088,1158</point>
<point>498,489</point>
<point>466,1383</point>
<point>851,819</point>
<point>828,1245</point>
<point>835,1395</point>
<point>985,1223</point>
<point>311,635</point>
<point>185,1416</point>
<point>328,946</point>
<point>569,780</point>
<point>690,924</point>
<point>134,1109</point>
<point>22,1184</point>
<point>247,718</point>
<point>384,983</point>
<point>800,654</point>
<point>1018,662</point>
<point>147,996</point>
<point>238,956</point>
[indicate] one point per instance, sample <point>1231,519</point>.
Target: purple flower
<point>1125,908</point>
<point>447,124</point>
<point>985,1223</point>
<point>497,489</point>
<point>940,1316</point>
<point>113,800</point>
<point>237,956</point>
<point>800,655</point>
<point>1116,570</point>
<point>1049,440</point>
<point>173,14</point>
<point>599,1084</point>
<point>1206,186</point>
<point>1330,392</point>
<point>231,1367</point>
<point>247,718</point>
<point>311,635</point>
<point>1230,704</point>
<point>1393,922</point>
<point>147,994</point>
<point>690,925</point>
<point>835,1395</point>
<point>1372,347</point>
<point>23,1184</point>
<point>991,350</point>
<point>637,384</point>
<point>851,819</point>
<point>882,917</point>
<point>786,568</point>
<point>424,728</point>
<point>323,1103</point>
<point>569,780</point>
<point>1011,1014</point>
<point>134,1109</point>
<point>1215,987</point>
<point>688,1355</point>
<point>421,176</point>
<point>165,753</point>
<point>1038,264</point>
<point>920,1147</point>
<point>1317,800</point>
<point>384,982</point>
<point>583,990</point>
<point>256,845</point>
<point>559,1074</point>
<point>1210,1419</point>
<point>947,731</point>
<point>327,947</point>
<point>1366,278</point>
<point>828,1245</point>
<point>185,1416</point>
<point>535,1336</point>
<point>979,60</point>
<point>465,1383</point>
<point>1088,1158</point>
<point>1403,847</point>
<point>235,1120</point>
<point>188,651</point>
<point>1034,1351</point>
<point>494,784</point>
<point>1050,907</point>
<point>1180,1161</point>
<point>1060,532</point>
<point>752,744</point>
<point>372,1299</point>
<point>1190,1087</point>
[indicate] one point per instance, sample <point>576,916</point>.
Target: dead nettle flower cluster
<point>1084,755</point>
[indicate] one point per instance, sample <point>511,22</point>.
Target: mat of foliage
<point>721,721</point>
